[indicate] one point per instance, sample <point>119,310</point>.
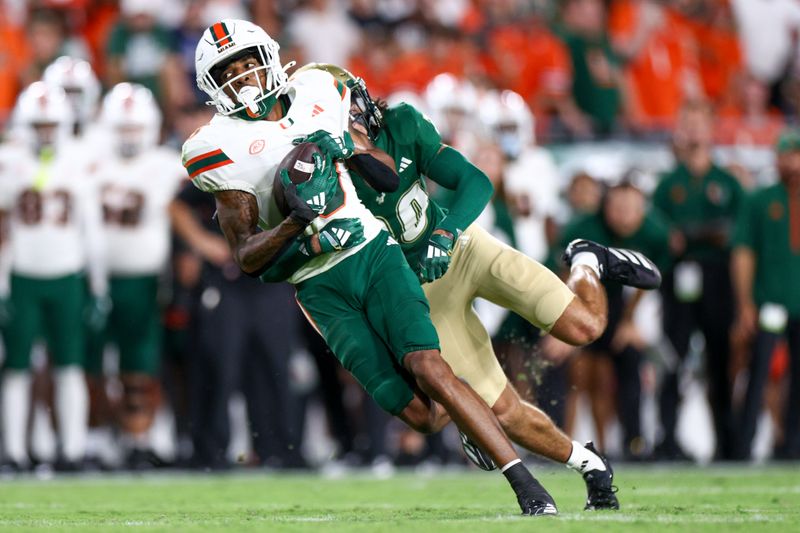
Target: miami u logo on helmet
<point>221,35</point>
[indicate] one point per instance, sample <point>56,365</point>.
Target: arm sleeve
<point>377,175</point>
<point>284,264</point>
<point>472,188</point>
<point>744,230</point>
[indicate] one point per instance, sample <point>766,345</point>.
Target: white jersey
<point>53,210</point>
<point>533,179</point>
<point>134,194</point>
<point>234,154</point>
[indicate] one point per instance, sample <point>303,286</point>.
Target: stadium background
<point>605,82</point>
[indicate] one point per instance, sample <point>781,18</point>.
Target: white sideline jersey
<point>134,195</point>
<point>235,154</point>
<point>53,210</point>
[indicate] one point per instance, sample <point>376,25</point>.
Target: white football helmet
<point>78,80</point>
<point>509,120</point>
<point>132,116</point>
<point>452,103</point>
<point>42,116</point>
<point>223,42</point>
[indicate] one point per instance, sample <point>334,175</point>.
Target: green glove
<point>96,313</point>
<point>320,188</point>
<point>437,256</point>
<point>6,312</point>
<point>337,235</point>
<point>333,147</point>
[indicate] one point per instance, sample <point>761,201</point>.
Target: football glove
<point>337,235</point>
<point>96,313</point>
<point>317,191</point>
<point>333,147</point>
<point>437,256</point>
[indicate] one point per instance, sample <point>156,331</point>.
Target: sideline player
<point>53,219</point>
<point>136,183</point>
<point>361,295</point>
<point>480,266</point>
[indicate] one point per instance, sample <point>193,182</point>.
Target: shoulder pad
<point>407,124</point>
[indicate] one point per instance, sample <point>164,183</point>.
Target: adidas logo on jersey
<point>631,256</point>
<point>316,111</point>
<point>404,162</point>
<point>317,203</point>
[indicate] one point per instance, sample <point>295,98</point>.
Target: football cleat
<point>600,493</point>
<point>537,501</point>
<point>475,454</point>
<point>628,267</point>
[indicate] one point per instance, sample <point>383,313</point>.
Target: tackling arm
<point>473,190</point>
<point>254,251</point>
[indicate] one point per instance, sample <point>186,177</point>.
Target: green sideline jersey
<point>769,225</point>
<point>409,213</point>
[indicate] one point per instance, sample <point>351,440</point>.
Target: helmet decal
<point>221,35</point>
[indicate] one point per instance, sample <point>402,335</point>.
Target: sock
<point>518,476</point>
<point>72,411</point>
<point>582,460</point>
<point>586,259</point>
<point>16,398</point>
<point>43,441</point>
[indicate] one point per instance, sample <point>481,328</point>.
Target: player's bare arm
<point>252,249</point>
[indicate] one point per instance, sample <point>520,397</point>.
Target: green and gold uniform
<point>481,266</point>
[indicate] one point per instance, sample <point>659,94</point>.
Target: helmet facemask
<point>254,101</point>
<point>363,110</point>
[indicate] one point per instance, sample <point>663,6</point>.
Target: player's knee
<point>430,370</point>
<point>578,327</point>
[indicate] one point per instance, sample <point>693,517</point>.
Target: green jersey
<point>769,225</point>
<point>692,203</point>
<point>409,214</point>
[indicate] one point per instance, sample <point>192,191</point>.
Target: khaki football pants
<point>484,267</point>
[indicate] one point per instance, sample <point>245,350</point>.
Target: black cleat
<point>600,493</point>
<point>537,501</point>
<point>475,454</point>
<point>628,267</point>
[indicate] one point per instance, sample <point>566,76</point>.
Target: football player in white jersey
<point>82,88</point>
<point>136,182</point>
<point>358,290</point>
<point>52,216</point>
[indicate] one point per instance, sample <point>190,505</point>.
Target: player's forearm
<point>473,189</point>
<point>257,252</point>
<point>743,268</point>
<point>375,172</point>
<point>286,264</point>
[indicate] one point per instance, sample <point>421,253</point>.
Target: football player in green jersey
<point>438,242</point>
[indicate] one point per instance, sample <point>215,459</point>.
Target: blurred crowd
<point>657,125</point>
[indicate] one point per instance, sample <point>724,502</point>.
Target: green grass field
<point>687,499</point>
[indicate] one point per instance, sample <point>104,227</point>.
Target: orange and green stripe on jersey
<point>207,161</point>
<point>221,35</point>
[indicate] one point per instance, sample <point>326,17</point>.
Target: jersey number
<point>412,212</point>
<point>53,207</point>
<point>122,207</point>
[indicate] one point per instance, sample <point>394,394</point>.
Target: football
<point>299,163</point>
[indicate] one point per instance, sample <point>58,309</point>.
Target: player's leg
<point>23,328</point>
<point>398,311</point>
<point>64,331</point>
<point>477,268</point>
<point>334,312</point>
<point>101,444</point>
<point>136,328</point>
